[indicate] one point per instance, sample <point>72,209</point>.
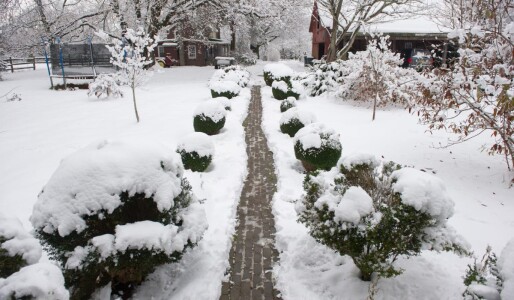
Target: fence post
<point>34,62</point>
<point>12,66</point>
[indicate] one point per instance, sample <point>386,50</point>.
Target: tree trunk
<point>134,99</point>
<point>332,49</point>
<point>43,19</point>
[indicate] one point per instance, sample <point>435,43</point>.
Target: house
<point>408,36</point>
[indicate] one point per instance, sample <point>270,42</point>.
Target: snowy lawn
<point>46,126</point>
<point>476,182</point>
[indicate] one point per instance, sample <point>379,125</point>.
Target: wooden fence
<point>14,64</point>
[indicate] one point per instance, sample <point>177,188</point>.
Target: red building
<point>320,28</point>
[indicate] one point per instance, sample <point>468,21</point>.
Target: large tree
<point>349,16</point>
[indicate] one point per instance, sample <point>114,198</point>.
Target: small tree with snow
<point>105,86</point>
<point>376,212</point>
<point>131,55</point>
<point>477,95</point>
<point>113,212</point>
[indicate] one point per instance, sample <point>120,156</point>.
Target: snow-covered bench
<point>220,61</point>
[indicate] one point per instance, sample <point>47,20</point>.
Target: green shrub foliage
<point>358,211</point>
<point>287,104</point>
<point>9,264</point>
<point>291,128</point>
<point>226,94</point>
<point>323,157</point>
<point>125,270</point>
<point>284,92</point>
<point>484,274</point>
<point>205,124</point>
<point>194,162</point>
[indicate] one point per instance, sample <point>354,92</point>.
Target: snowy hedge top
<point>39,281</point>
<point>18,241</point>
<point>305,117</point>
<point>316,135</point>
<point>290,100</point>
<point>280,85</point>
<point>223,101</point>
<point>506,265</point>
<point>423,191</point>
<point>92,179</point>
<point>225,86</point>
<point>351,207</point>
<point>358,159</point>
<point>212,110</point>
<point>278,70</point>
<point>198,142</point>
<point>234,73</point>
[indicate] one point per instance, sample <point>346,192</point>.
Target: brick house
<point>407,36</point>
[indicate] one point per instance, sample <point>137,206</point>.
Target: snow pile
<point>295,114</point>
<point>197,142</point>
<point>225,87</point>
<point>506,265</point>
<point>354,205</point>
<point>212,110</point>
<point>91,180</point>
<point>280,85</point>
<point>278,70</point>
<point>356,159</point>
<point>423,191</point>
<point>17,241</point>
<point>39,281</point>
<point>316,135</point>
<point>224,101</point>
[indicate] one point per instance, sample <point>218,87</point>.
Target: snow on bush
<point>325,77</point>
<point>209,118</point>
<point>17,247</point>
<point>483,279</point>
<point>317,147</point>
<point>277,71</point>
<point>224,101</point>
<point>284,89</point>
<point>225,88</point>
<point>114,211</point>
<point>506,265</point>
<point>287,104</point>
<point>196,151</point>
<point>40,281</point>
<point>232,73</point>
<point>376,211</point>
<point>294,120</point>
<point>105,86</point>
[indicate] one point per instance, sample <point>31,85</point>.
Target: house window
<point>160,51</point>
<point>191,52</point>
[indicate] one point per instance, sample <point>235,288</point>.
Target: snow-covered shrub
<point>277,71</point>
<point>40,281</point>
<point>232,73</point>
<point>491,278</point>
<point>114,211</point>
<point>325,77</point>
<point>294,120</point>
<point>289,103</point>
<point>224,101</point>
<point>209,118</point>
<point>228,89</point>
<point>17,247</point>
<point>105,86</point>
<point>317,147</point>
<point>284,89</point>
<point>376,212</point>
<point>246,59</point>
<point>196,151</point>
<point>483,279</point>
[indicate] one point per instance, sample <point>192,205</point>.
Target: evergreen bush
<point>317,147</point>
<point>226,88</point>
<point>287,104</point>
<point>196,151</point>
<point>282,90</point>
<point>277,72</point>
<point>113,212</point>
<point>17,247</point>
<point>294,120</point>
<point>373,212</point>
<point>209,118</point>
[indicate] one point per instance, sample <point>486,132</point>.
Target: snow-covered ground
<point>37,132</point>
<point>477,183</point>
<point>46,126</point>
